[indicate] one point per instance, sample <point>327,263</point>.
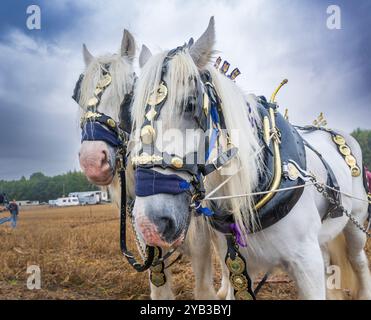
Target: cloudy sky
<point>328,70</point>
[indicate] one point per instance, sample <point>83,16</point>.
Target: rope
<point>208,196</point>
<point>256,193</point>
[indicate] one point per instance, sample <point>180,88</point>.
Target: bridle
<point>208,114</point>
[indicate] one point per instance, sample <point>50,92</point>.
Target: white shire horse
<point>298,243</point>
<point>97,155</point>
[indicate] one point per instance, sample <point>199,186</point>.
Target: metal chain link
<point>322,189</point>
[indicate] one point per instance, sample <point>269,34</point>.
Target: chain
<point>322,189</point>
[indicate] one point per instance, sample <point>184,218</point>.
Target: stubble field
<point>77,250</point>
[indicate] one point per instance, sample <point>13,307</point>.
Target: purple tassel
<point>237,233</point>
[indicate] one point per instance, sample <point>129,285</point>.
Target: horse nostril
<point>105,157</point>
<point>166,227</point>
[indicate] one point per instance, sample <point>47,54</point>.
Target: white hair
<point>122,73</point>
<point>181,68</point>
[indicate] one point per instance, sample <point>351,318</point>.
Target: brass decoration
<point>151,114</point>
<point>292,172</point>
<point>145,158</point>
<point>356,171</point>
<point>344,150</point>
<point>111,123</point>
<point>234,74</point>
<point>157,268</point>
<point>218,62</point>
<point>350,160</point>
<point>239,282</point>
<point>205,104</point>
<point>158,279</point>
<point>92,102</point>
<point>147,134</point>
<point>320,121</point>
<point>243,295</point>
<point>266,130</point>
<point>286,115</point>
<point>90,115</point>
<point>177,162</point>
<point>235,266</point>
<point>158,95</point>
<point>277,160</point>
<point>225,67</point>
<point>273,97</point>
<point>339,140</point>
<point>98,91</point>
<point>105,81</point>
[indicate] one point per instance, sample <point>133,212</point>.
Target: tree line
<point>364,139</point>
<point>43,188</point>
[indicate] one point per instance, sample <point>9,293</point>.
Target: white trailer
<point>67,201</point>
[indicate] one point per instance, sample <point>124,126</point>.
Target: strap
<point>150,251</point>
<point>239,278</point>
<point>220,161</point>
<point>333,210</point>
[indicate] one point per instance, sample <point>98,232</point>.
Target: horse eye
<point>190,106</point>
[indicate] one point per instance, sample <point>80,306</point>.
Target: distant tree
<point>42,188</point>
<point>364,139</point>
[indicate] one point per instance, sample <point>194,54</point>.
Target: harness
<point>207,112</point>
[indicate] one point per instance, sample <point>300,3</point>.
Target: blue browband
<point>149,182</point>
<point>95,131</point>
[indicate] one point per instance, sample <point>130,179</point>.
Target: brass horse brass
<point>157,96</point>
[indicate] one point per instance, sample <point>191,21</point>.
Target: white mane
<point>236,114</point>
<point>121,71</point>
<point>180,70</point>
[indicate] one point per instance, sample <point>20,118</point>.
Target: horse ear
<point>128,45</point>
<point>190,42</point>
<point>202,50</point>
<point>88,57</point>
<point>144,56</point>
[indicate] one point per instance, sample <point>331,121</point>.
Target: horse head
<point>171,120</point>
<point>104,93</point>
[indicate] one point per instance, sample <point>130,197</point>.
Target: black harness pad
<point>291,148</point>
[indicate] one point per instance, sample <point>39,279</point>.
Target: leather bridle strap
<point>150,251</point>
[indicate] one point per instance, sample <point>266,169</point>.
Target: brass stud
<point>111,123</point>
<point>293,172</point>
<point>105,81</point>
<point>97,91</point>
<point>205,105</point>
<point>236,265</point>
<point>344,150</point>
<point>147,134</point>
<point>93,102</point>
<point>177,162</point>
<point>239,282</point>
<point>356,171</point>
<point>157,279</point>
<point>350,160</point>
<point>158,95</point>
<point>338,139</point>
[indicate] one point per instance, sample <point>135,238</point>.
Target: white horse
<point>98,159</point>
<point>298,243</point>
